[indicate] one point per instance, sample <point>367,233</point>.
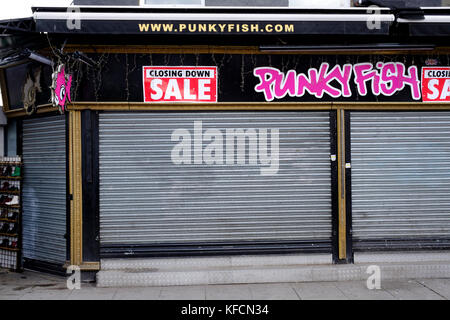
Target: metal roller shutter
<point>44,189</point>
<point>146,199</point>
<point>400,175</point>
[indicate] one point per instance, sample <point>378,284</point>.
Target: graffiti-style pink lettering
<point>275,84</point>
<point>385,78</point>
<point>364,73</point>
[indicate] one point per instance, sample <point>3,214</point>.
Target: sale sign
<point>180,84</point>
<point>436,84</point>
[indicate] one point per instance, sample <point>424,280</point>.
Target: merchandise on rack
<point>10,212</point>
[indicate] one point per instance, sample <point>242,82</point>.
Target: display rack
<point>11,170</point>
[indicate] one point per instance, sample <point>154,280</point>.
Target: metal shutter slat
<point>44,189</point>
<point>400,175</point>
<point>145,199</point>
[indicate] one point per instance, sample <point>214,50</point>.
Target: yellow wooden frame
<point>256,106</point>
<point>75,189</point>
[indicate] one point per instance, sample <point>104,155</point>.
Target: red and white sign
<point>180,84</point>
<point>436,84</point>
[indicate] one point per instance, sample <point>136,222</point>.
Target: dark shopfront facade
<point>211,148</point>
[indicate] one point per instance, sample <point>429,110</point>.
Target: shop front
<point>400,179</point>
<point>214,182</point>
<point>292,157</point>
<point>44,226</point>
<point>206,151</point>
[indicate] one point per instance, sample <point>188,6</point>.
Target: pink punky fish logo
<point>61,88</point>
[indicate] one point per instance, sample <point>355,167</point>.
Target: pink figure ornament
<point>61,88</point>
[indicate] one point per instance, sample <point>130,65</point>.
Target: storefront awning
<point>436,25</point>
<point>354,21</point>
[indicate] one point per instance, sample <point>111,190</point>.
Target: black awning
<point>433,24</point>
<point>355,21</point>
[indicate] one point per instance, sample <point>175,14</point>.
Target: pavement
<point>30,285</point>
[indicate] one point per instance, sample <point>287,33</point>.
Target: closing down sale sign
<point>180,84</point>
<point>436,84</point>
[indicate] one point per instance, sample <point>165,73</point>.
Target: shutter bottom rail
<point>401,244</point>
<point>210,249</point>
<point>43,266</point>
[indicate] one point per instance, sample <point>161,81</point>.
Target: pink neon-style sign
<point>383,79</point>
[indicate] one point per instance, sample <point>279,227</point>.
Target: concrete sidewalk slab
<point>357,290</point>
<point>440,286</point>
<point>47,294</point>
<point>93,293</point>
<point>275,291</point>
<point>410,290</point>
<point>228,292</point>
<point>183,293</point>
<point>319,290</point>
<point>141,293</point>
<point>36,286</point>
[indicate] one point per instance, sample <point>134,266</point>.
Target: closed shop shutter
<point>146,199</point>
<point>44,189</point>
<point>400,176</point>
